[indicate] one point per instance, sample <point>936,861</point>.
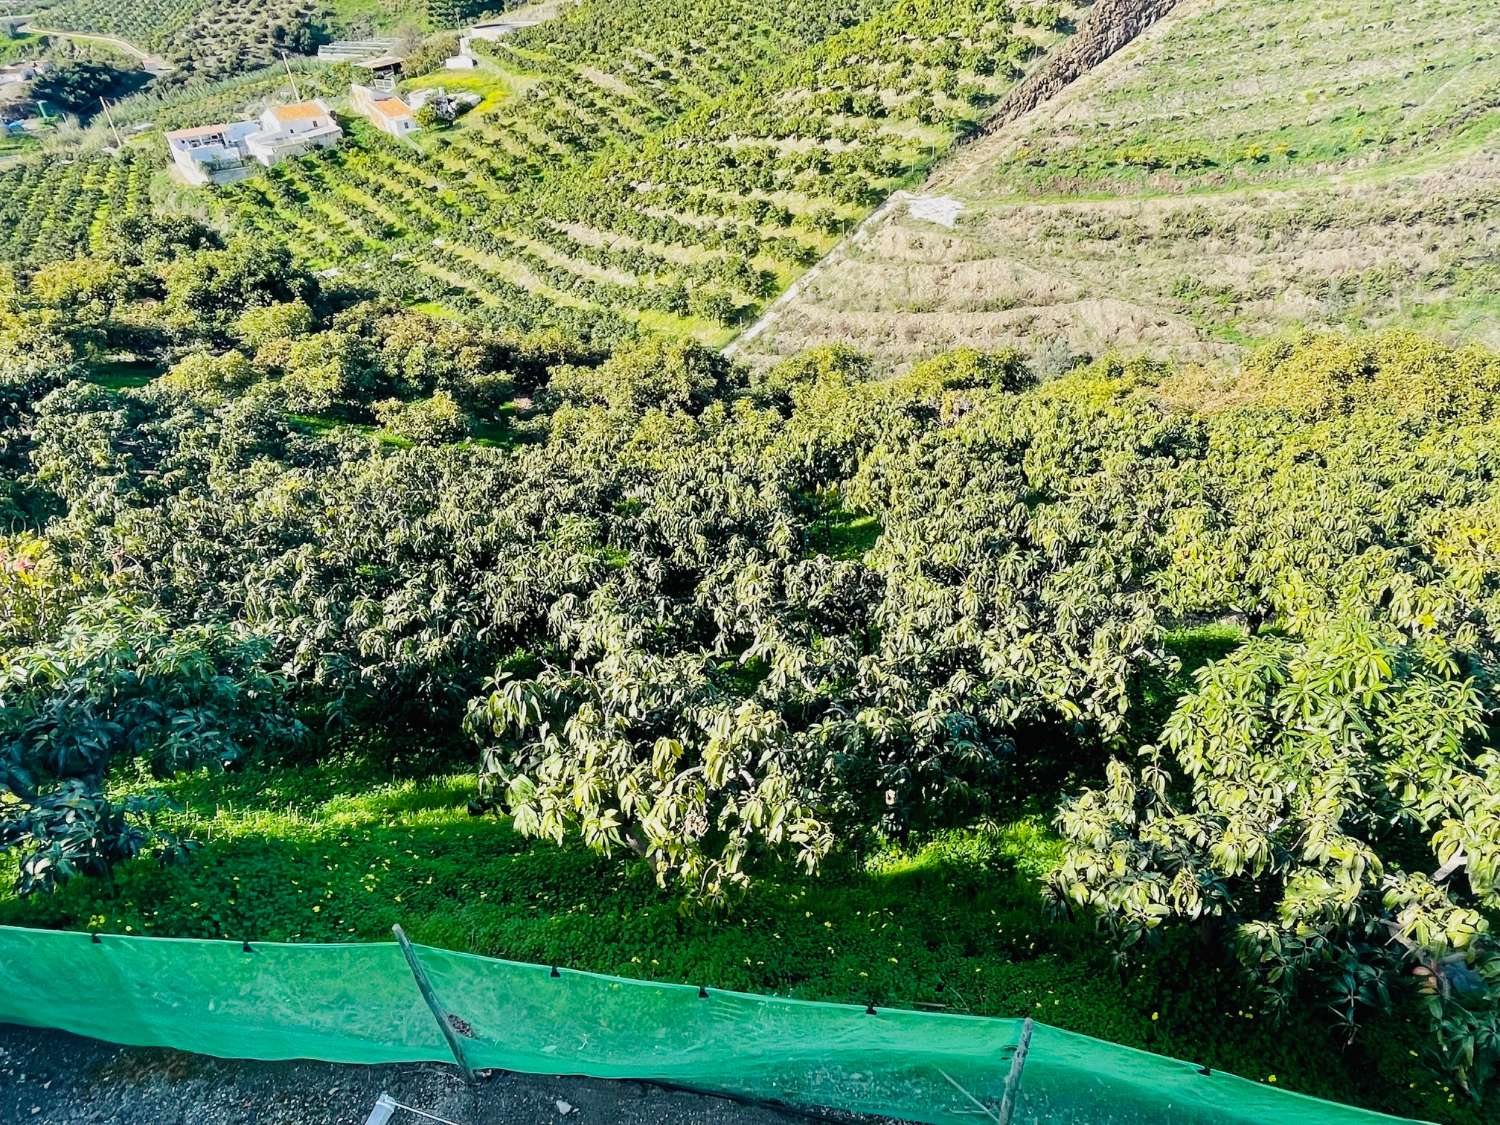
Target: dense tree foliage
<point>118,683</point>
<point>1336,800</point>
<point>726,623</point>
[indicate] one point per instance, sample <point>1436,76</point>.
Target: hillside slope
<point>655,166</point>
<point>1188,198</point>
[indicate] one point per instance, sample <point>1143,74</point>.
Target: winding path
<point>154,64</point>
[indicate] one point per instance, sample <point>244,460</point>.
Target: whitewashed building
<point>386,112</point>
<point>465,59</point>
<point>216,153</point>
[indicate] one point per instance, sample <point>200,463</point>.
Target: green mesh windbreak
<point>360,1004</point>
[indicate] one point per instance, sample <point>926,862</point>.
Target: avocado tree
<point>1331,805</point>
<point>119,684</point>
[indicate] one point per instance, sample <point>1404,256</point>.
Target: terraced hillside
<point>57,207</point>
<point>657,165</point>
<point>219,38</point>
<point>1246,166</point>
<point>58,204</point>
<point>213,38</point>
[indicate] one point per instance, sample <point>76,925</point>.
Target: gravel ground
<point>59,1079</point>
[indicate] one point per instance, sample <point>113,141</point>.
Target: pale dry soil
<point>1197,265</point>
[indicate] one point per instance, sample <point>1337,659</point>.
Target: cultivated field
<point>657,168</point>
<point>1188,198</point>
<point>57,207</point>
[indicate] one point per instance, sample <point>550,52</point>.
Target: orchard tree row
<point>660,166</point>
<point>727,624</point>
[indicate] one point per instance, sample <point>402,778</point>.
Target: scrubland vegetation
<point>388,541</point>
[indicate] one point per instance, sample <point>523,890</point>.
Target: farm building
<point>383,73</point>
<point>215,153</point>
<point>386,111</point>
<point>349,50</point>
<point>16,73</point>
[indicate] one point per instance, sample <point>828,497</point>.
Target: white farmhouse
<point>210,153</point>
<point>215,153</point>
<point>386,112</point>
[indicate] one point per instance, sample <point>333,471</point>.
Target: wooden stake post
<point>1013,1080</point>
<point>425,986</point>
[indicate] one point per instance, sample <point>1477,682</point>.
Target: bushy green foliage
<point>204,374</point>
<point>1334,801</point>
<point>204,38</point>
<point>77,86</point>
<point>734,625</point>
<point>426,421</point>
<point>119,683</point>
<point>48,206</point>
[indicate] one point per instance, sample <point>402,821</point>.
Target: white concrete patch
<point>940,209</point>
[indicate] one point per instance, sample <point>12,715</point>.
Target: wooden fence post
<point>425,986</point>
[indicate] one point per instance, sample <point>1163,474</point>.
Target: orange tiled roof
<point>300,111</point>
<point>392,107</point>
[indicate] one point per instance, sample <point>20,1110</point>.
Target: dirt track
<point>58,1079</point>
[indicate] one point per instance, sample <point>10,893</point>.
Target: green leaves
<point>1308,777</point>
<point>120,683</point>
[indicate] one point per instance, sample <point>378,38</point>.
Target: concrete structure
<point>210,153</point>
<point>16,102</point>
<point>465,59</point>
<point>23,71</point>
<point>216,153</point>
<point>383,73</point>
<point>386,112</point>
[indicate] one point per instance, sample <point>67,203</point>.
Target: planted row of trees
<point>662,164</point>
<point>726,624</point>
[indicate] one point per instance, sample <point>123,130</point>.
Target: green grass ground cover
<point>489,83</point>
<point>122,373</point>
<point>342,848</point>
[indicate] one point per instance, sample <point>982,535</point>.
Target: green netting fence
<point>359,1003</point>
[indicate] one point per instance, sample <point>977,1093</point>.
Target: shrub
<point>1335,803</point>
<point>119,682</point>
<point>426,421</point>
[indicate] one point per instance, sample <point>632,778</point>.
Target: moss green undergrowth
<point>341,849</point>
